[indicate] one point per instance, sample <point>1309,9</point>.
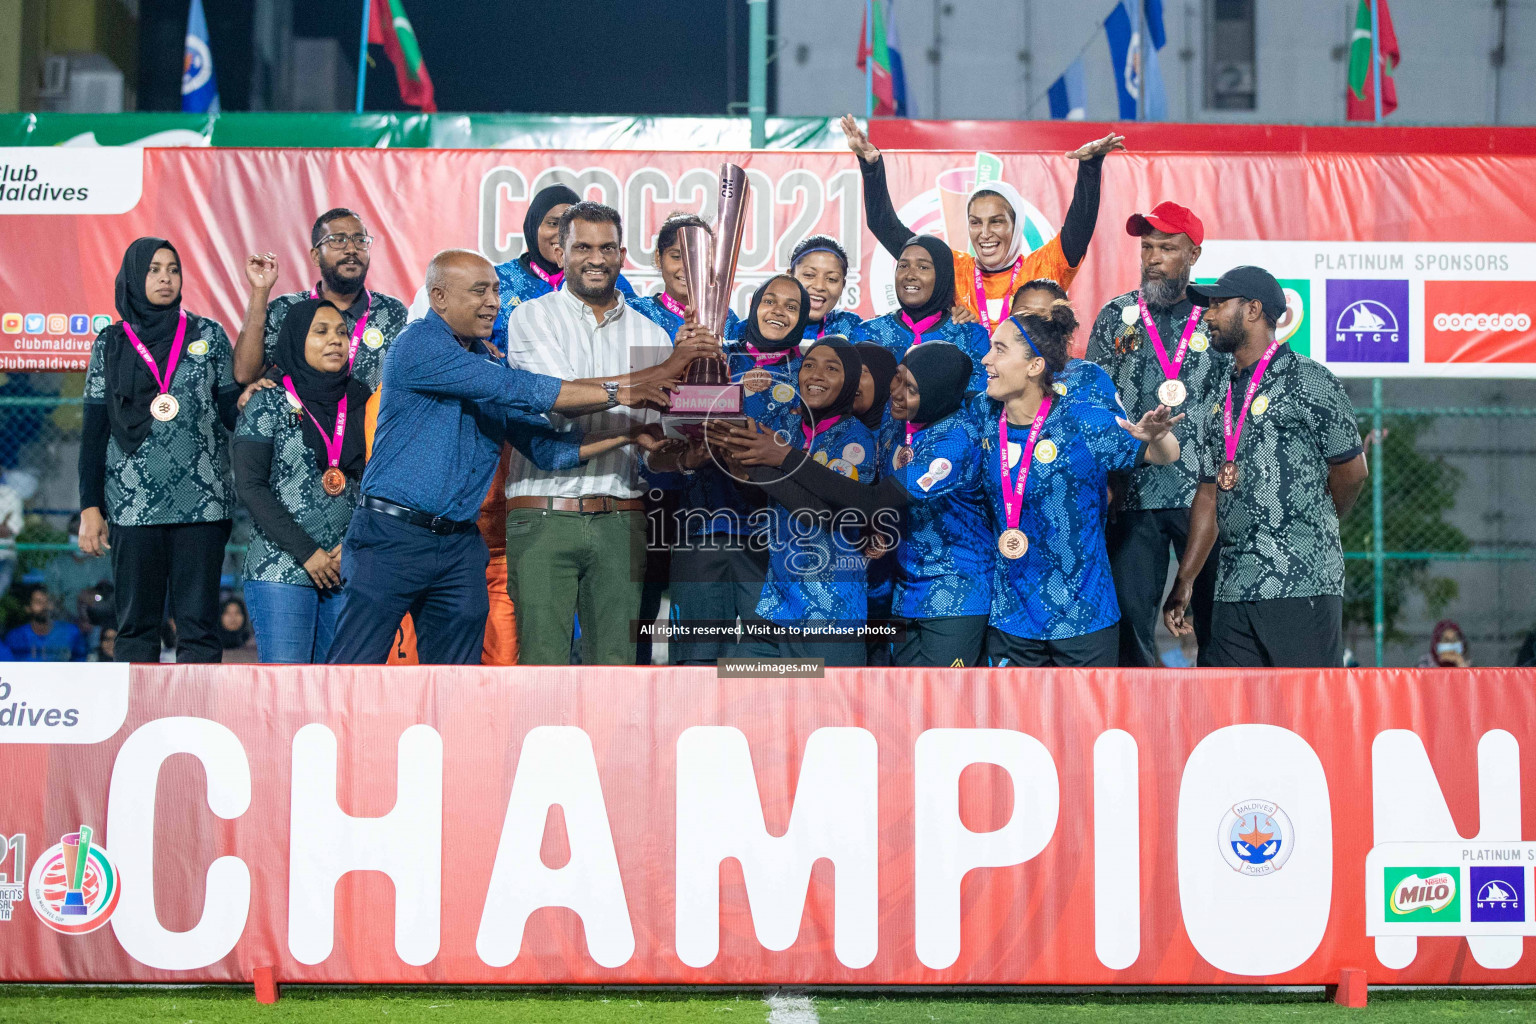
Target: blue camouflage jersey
<point>839,321</point>
<point>1062,586</point>
<point>651,307</point>
<point>1082,380</point>
<point>518,284</point>
<point>816,574</point>
<point>896,337</point>
<point>944,560</point>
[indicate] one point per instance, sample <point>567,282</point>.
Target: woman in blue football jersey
<point>872,407</point>
<point>668,308</point>
<point>925,291</point>
<point>821,264</point>
<point>1047,461</point>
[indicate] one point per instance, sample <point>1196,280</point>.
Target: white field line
<point>783,1009</point>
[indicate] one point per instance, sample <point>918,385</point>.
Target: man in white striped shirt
<point>576,538</point>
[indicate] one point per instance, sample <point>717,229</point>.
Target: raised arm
<point>250,354</point>
<point>1077,229</point>
<point>879,211</point>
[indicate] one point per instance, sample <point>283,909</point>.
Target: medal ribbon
<point>672,305</point>
<point>821,428</point>
<point>765,358</point>
<point>913,428</point>
<point>553,280</point>
<point>981,293</point>
<point>919,326</point>
<point>1013,497</point>
<point>357,328</point>
<point>332,444</point>
<point>1229,435</point>
<point>170,363</point>
<point>1170,367</point>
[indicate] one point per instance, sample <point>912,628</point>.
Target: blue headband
<point>820,248</point>
<point>1020,325</point>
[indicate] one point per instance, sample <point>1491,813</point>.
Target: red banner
<point>1397,265</point>
<point>418,825</point>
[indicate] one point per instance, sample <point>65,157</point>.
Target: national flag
<point>1360,97</point>
<point>1069,93</point>
<point>1138,77</point>
<point>199,87</point>
<point>887,81</point>
<point>390,28</point>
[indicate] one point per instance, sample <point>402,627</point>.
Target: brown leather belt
<point>597,503</point>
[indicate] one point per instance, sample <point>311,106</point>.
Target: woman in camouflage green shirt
<point>154,458</point>
<point>298,458</point>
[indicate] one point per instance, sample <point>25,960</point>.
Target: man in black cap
<point>1153,346</point>
<point>1281,462</point>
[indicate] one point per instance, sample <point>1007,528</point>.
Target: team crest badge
<point>1256,838</point>
<point>1045,451</point>
<point>373,337</point>
<point>198,348</point>
<point>1260,404</point>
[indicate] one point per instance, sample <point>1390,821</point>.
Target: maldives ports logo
<point>1422,894</point>
<point>1256,838</point>
<point>74,885</point>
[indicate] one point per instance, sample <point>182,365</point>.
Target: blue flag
<point>1069,93</point>
<point>199,88</point>
<point>1135,34</point>
<point>898,72</point>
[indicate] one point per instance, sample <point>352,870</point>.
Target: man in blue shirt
<point>42,639</point>
<point>413,545</point>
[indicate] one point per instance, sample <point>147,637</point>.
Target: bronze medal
<point>334,481</point>
<point>903,456</point>
<point>1226,477</point>
<point>754,381</point>
<point>1172,392</point>
<point>1013,543</point>
<point>164,408</point>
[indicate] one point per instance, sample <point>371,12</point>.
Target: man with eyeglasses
<point>339,248</point>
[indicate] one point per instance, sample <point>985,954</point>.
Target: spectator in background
<point>105,644</point>
<point>12,518</point>
<point>234,625</point>
<point>1448,647</point>
<point>71,574</point>
<point>42,639</point>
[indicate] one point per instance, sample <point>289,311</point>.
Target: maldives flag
<point>1360,96</point>
<point>390,28</point>
<point>888,83</point>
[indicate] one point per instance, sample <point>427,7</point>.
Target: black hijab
<point>943,296</point>
<point>130,384</point>
<point>852,368</point>
<point>882,367</point>
<point>942,372</point>
<point>320,391</point>
<point>752,335</point>
<point>546,200</point>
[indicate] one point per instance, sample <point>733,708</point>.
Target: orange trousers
<point>500,625</point>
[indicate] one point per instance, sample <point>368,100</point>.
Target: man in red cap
<point>1153,345</point>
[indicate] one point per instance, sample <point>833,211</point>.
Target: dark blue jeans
<point>294,625</point>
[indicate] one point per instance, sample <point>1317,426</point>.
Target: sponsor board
<point>67,180</point>
<point>1449,888</point>
<point>1480,322</point>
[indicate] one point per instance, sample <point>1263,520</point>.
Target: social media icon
<point>11,324</point>
<point>100,322</point>
<point>79,323</point>
<point>58,323</point>
<point>35,323</point>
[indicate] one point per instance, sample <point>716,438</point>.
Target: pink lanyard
<point>821,428</point>
<point>332,444</point>
<point>919,326</point>
<point>357,328</point>
<point>164,384</point>
<point>765,358</point>
<point>1229,435</point>
<point>553,280</point>
<point>912,429</point>
<point>674,307</point>
<point>981,293</point>
<point>1013,498</point>
<point>1170,367</point>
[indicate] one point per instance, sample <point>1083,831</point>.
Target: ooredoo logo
<point>74,886</point>
<point>1479,321</point>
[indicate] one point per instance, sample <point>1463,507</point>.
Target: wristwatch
<point>612,387</point>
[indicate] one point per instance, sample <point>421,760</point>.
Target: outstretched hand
<point>1152,426</point>
<point>858,141</point>
<point>1100,147</point>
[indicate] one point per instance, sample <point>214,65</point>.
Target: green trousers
<point>562,565</point>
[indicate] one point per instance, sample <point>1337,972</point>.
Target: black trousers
<point>833,653</point>
<point>951,642</point>
<point>175,568</point>
<point>715,578</point>
<point>877,652</point>
<point>390,567</point>
<point>1138,556</point>
<point>1286,632</point>
<point>661,522</point>
<point>1091,650</point>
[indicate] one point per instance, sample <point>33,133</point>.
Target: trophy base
<point>693,405</point>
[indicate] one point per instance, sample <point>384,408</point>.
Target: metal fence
<point>1445,529</point>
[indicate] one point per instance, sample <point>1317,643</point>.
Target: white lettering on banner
<point>556,766</point>
<point>1243,767</point>
<point>1116,850</point>
<point>406,844</point>
<point>1408,806</point>
<point>945,849</point>
<point>40,704</point>
<point>69,180</point>
<point>834,816</point>
<point>131,833</point>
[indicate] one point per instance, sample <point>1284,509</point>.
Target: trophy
<point>709,260</point>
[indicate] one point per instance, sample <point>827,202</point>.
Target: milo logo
<point>1422,894</point>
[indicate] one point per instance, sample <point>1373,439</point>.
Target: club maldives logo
<point>1368,321</point>
<point>74,886</point>
<point>1256,837</point>
<point>1498,894</point>
<point>1422,894</point>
